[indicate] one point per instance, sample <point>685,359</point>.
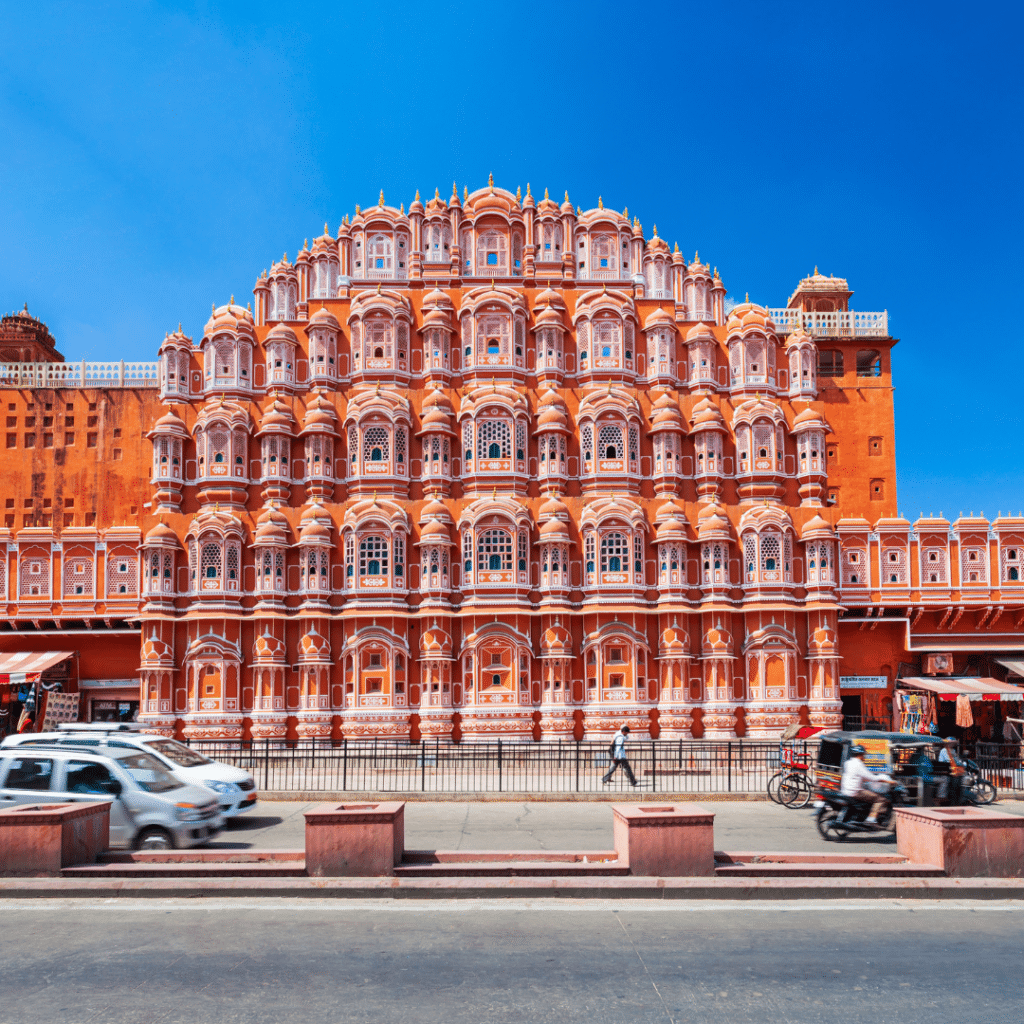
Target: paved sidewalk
<point>519,825</point>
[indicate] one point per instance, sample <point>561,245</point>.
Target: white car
<point>235,787</point>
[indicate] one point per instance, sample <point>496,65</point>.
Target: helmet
<point>951,739</point>
<point>856,750</point>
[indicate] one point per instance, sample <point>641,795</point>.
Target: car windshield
<point>177,752</point>
<point>149,774</point>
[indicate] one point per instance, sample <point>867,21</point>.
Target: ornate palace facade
<point>496,467</point>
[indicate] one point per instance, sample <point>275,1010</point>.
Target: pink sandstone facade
<point>496,466</point>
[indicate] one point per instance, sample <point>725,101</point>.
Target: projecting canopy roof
<point>975,688</point>
<point>26,666</point>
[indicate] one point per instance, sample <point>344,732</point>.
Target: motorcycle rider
<point>860,783</point>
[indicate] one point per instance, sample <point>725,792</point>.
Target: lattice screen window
<point>193,565</point>
<point>162,457</point>
<point>433,446</point>
<point>787,554</point>
<point>743,447</point>
<point>494,440</point>
<point>218,442</point>
<point>240,449</point>
<point>398,543</point>
<point>379,254</point>
<point>520,335</point>
<point>523,551</point>
<point>855,567</point>
<point>609,441</point>
<point>606,340</point>
<point>494,551</point>
<point>770,553</point>
<point>894,566</point>
<point>750,554</point>
<point>378,340</point>
<point>763,438</point>
<point>825,562</point>
<point>589,547</point>
<point>1011,559</point>
<point>78,575</point>
<point>376,445</point>
<point>271,467</point>
<point>517,252</point>
<point>403,254</point>
<point>614,552</point>
<point>466,245</point>
<point>224,360</point>
<point>492,255</point>
<point>973,566</point>
<point>630,340</point>
<point>933,565</point>
<point>467,440</point>
<point>350,556</point>
<point>35,576</point>
<point>634,448</point>
<point>210,562</point>
<point>755,358</point>
<point>467,553</point>
<point>353,446</point>
<point>780,447</point>
<point>520,441</point>
<point>583,339</point>
<point>400,442</point>
<point>604,253</point>
<point>357,346</point>
<point>122,573</point>
<point>3,572</point>
<point>587,442</point>
<point>373,556</point>
<point>265,561</point>
<point>735,361</point>
<point>492,336</point>
<point>233,560</point>
<point>403,339</point>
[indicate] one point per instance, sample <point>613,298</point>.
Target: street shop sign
<point>863,682</point>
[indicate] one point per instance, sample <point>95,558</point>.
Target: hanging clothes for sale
<point>964,718</point>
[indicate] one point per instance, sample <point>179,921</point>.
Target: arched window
<point>610,442</point>
<point>494,439</point>
<point>492,255</point>
<point>614,552</point>
<point>376,444</point>
<point>373,556</point>
<point>494,551</point>
<point>380,261</point>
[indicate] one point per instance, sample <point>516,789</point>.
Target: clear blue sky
<point>156,156</point>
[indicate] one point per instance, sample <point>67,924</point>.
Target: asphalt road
<point>283,961</point>
<point>552,826</point>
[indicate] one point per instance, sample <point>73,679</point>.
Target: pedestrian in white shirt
<point>861,783</point>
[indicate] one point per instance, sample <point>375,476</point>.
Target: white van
<point>235,787</point>
<point>150,808</point>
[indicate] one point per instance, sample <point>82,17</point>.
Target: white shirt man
<point>860,782</point>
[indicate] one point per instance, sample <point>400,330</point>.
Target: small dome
<point>656,246</point>
<point>816,527</point>
<point>170,423</point>
<point>665,414</point>
<point>556,640</point>
<point>548,297</point>
<point>436,298</point>
<point>548,317</point>
<point>554,530</point>
<point>156,652</point>
<point>268,648</point>
<point>271,529</point>
<point>700,332</point>
<point>437,318</point>
<point>435,509</point>
<point>163,535</point>
<point>552,413</point>
<point>707,414</point>
<point>671,529</point>
<point>658,319</point>
<point>313,526</point>
<point>749,316</point>
<point>435,641</point>
<point>314,647</point>
<point>713,523</point>
<point>799,337</point>
<point>553,507</point>
<point>277,418</point>
<point>673,640</point>
<point>320,417</point>
<point>323,317</point>
<point>434,531</point>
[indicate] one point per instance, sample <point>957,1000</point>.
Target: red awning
<point>26,666</point>
<point>975,687</point>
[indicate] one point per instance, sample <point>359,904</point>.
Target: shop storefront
<point>110,700</point>
<point>26,677</point>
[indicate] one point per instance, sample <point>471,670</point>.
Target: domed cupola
<point>435,543</point>
<point>709,432</point>
<point>283,288</point>
<point>323,331</point>
<point>549,331</point>
<point>319,433</point>
<point>276,430</point>
<point>803,365</point>
<point>671,535</point>
<point>698,292</point>
<point>169,435</point>
<point>280,346</point>
<point>554,542</point>
<point>760,429</point>
<point>175,356</point>
<point>161,551</point>
<point>552,438</point>
<point>324,267</point>
<point>702,348</point>
<point>810,431</point>
<point>657,268</point>
<point>714,532</point>
<point>660,332</point>
<point>227,347</point>
<point>753,345</point>
<point>667,430</point>
<point>437,434</point>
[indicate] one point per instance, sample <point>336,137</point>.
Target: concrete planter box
<point>40,839</point>
<point>355,839</point>
<point>665,840</point>
<point>966,842</point>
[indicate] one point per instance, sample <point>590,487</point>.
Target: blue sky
<point>157,156</point>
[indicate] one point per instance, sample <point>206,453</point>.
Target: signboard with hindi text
<point>863,682</point>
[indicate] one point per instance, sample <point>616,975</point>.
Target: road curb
<point>519,888</point>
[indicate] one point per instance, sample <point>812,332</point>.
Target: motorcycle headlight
<point>218,787</point>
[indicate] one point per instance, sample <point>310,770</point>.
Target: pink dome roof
<point>706,413</point>
<point>314,647</point>
<point>320,416</point>
<point>323,317</point>
<point>700,332</point>
<point>268,648</point>
<point>162,534</point>
<point>170,422</point>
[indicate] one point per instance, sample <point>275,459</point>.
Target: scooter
<point>839,816</point>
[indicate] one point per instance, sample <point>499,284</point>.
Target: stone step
<point>214,855</point>
<point>817,869</point>
<point>511,869</point>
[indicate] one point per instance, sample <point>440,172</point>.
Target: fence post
<point>499,766</point>
<point>577,766</point>
<point>344,764</point>
<point>730,767</point>
<point>654,766</point>
<point>266,764</point>
<point>423,766</point>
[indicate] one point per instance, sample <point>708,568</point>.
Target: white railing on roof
<point>849,324</point>
<point>80,375</point>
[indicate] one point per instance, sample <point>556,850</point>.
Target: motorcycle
<point>839,816</point>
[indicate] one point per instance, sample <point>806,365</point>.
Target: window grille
<point>934,568</point>
<point>582,339</point>
<point>467,553</point>
<point>520,441</point>
<point>350,556</point>
<point>218,445</point>
<point>122,574</point>
<point>376,445</point>
<point>750,556</point>
<point>589,550</point>
<point>399,547</point>
<point>587,442</point>
<point>210,562</point>
<point>634,448</point>
<point>373,556</point>
<point>78,575</point>
<point>1010,558</point>
<point>192,565</point>
<point>233,560</point>
<point>35,576</point>
<point>520,334</point>
<point>224,360</point>
<point>494,440</point>
<point>353,446</point>
<point>973,566</point>
<point>614,552</point>
<point>400,447</point>
<point>492,257</point>
<point>763,435</point>
<point>403,339</point>
<point>609,441</point>
<point>606,341</point>
<point>894,566</point>
<point>494,551</point>
<point>523,553</point>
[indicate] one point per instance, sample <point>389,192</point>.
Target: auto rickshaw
<point>911,760</point>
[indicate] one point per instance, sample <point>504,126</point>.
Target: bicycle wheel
<point>773,786</point>
<point>793,791</point>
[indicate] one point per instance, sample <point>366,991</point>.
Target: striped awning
<point>26,666</point>
<point>1016,667</point>
<point>974,687</point>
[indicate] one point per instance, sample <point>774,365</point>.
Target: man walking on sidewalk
<point>618,755</point>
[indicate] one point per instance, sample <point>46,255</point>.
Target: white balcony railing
<point>849,324</point>
<point>80,375</point>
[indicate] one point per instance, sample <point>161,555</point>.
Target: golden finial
<point>696,256</point>
<point>455,191</point>
<point>232,302</point>
<point>579,211</point>
<point>490,181</point>
<point>378,287</point>
<point>179,327</point>
<point>625,212</point>
<point>248,306</point>
<point>716,274</point>
<point>600,203</point>
<point>465,192</point>
<point>326,230</point>
<point>213,307</point>
<point>417,196</point>
<point>494,493</point>
<point>655,230</point>
<point>284,257</point>
<point>604,286</point>
<point>815,269</point>
<point>375,497</point>
<point>567,195</point>
<point>677,247</point>
<point>546,196</point>
<point>357,210</point>
<point>437,194</point>
<point>494,385</point>
<point>519,194</point>
<point>747,298</point>
<point>305,244</point>
<point>380,201</point>
<point>609,387</point>
<point>378,388</point>
<point>401,206</point>
<point>528,190</point>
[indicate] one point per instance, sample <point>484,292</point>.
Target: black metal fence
<point>1002,764</point>
<point>436,766</point>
